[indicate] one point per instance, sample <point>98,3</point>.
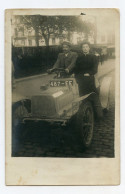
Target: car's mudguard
<point>24,102</point>
<point>94,99</point>
<point>104,92</point>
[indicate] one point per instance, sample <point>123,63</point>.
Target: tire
<point>85,123</point>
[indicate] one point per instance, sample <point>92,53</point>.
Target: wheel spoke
<point>85,133</point>
<point>87,125</point>
<point>89,115</point>
<point>87,136</point>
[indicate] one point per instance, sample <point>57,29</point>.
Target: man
<point>85,69</point>
<point>65,60</point>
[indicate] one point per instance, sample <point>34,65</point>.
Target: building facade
<point>24,37</point>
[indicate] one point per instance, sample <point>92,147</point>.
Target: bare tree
<point>74,24</point>
<point>58,26</point>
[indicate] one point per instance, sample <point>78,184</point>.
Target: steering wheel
<point>60,72</point>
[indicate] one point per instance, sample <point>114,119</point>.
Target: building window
<point>16,32</point>
<point>20,31</point>
<point>17,20</point>
<point>23,42</point>
<point>29,33</point>
<point>53,41</point>
<point>79,40</point>
<point>60,40</point>
<point>30,42</point>
<point>15,43</point>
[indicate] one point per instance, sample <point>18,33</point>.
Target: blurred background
<point>36,39</point>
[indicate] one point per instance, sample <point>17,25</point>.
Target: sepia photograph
<point>63,84</point>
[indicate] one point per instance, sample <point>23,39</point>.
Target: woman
<point>85,69</point>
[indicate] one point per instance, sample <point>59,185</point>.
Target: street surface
<point>44,141</point>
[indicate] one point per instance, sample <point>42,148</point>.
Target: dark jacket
<point>86,64</point>
<point>66,62</point>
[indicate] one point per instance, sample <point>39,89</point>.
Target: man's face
<point>66,48</point>
<point>85,48</point>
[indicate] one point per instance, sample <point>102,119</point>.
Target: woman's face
<point>85,48</point>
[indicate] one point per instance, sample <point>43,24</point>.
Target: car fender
<point>104,92</point>
<point>24,102</point>
<point>95,101</point>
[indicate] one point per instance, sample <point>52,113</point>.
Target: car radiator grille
<point>43,106</point>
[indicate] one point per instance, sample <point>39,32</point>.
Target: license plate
<point>61,83</point>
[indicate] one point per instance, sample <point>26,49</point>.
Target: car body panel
<point>61,102</point>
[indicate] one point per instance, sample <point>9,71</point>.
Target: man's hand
<point>67,71</point>
<point>49,71</point>
<point>86,74</point>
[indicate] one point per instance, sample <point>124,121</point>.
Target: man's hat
<point>66,43</point>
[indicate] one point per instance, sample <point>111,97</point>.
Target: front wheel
<point>85,123</point>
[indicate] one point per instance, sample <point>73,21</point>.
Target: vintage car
<point>58,102</point>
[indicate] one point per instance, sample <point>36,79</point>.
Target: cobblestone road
<point>41,141</point>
